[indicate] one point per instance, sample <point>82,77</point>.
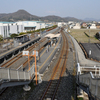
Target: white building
<point>93,26</point>
<point>77,26</point>
<point>31,25</point>
<point>70,22</point>
<point>59,24</point>
<point>40,25</point>
<point>8,28</point>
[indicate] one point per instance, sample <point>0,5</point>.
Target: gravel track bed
<point>67,86</point>
<point>37,92</point>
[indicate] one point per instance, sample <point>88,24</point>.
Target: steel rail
<point>62,70</point>
<point>13,60</point>
<point>64,52</point>
<point>20,55</point>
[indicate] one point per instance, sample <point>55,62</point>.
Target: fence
<point>10,74</point>
<point>92,83</point>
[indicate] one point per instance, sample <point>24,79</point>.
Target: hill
<point>19,15</point>
<point>24,15</point>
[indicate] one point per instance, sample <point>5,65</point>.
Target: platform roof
<point>50,35</point>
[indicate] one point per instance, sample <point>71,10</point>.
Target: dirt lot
<point>80,36</point>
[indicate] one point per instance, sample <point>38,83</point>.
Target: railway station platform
<point>47,55</point>
<point>13,77</point>
<point>6,55</point>
<point>15,50</point>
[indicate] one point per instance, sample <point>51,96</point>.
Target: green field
<point>80,36</point>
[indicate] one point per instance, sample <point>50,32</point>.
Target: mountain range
<point>22,15</point>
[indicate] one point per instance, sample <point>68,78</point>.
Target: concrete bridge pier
<point>27,88</point>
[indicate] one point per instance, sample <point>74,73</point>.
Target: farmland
<point>85,35</point>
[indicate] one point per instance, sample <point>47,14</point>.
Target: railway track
<point>19,56</point>
<point>58,71</point>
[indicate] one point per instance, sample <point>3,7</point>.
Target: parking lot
<point>92,50</point>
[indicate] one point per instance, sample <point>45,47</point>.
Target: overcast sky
<point>74,8</point>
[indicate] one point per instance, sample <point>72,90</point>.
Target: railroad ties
<point>58,71</point>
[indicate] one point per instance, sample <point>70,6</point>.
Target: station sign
<point>25,53</point>
<point>36,53</point>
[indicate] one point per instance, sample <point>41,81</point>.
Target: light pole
<point>39,52</point>
<point>40,29</point>
<point>89,34</point>
<point>39,44</point>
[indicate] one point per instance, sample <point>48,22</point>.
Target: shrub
<point>13,35</point>
<point>1,37</point>
<point>22,33</point>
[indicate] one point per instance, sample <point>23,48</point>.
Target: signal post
<point>35,54</point>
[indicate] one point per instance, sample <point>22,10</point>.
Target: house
<point>77,26</point>
<point>70,22</point>
<point>84,25</point>
<point>59,24</point>
<point>98,25</point>
<point>93,26</point>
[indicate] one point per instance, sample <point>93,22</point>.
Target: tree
<point>1,37</point>
<point>97,35</point>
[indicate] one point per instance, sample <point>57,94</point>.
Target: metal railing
<point>91,79</point>
<point>95,70</point>
<point>92,83</point>
<point>10,74</point>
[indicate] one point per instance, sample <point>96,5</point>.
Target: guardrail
<point>92,83</point>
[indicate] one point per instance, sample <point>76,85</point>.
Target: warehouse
<point>31,25</point>
<point>8,28</point>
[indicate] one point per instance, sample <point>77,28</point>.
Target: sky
<point>80,9</point>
